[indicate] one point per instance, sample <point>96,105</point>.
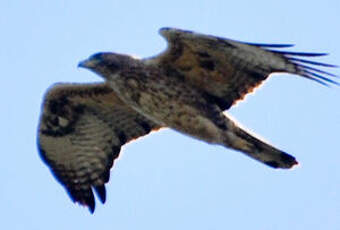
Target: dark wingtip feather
<point>91,208</point>
<point>314,79</point>
<point>85,198</point>
<point>308,71</point>
<point>101,192</point>
<point>313,62</point>
<point>269,45</point>
<point>303,54</point>
<point>305,67</point>
<point>318,76</point>
<point>90,203</point>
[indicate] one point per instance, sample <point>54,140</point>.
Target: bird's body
<point>165,98</point>
<point>167,101</point>
<point>186,88</point>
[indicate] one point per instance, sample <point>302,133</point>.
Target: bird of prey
<point>187,87</point>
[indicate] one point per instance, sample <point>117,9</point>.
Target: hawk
<point>187,87</point>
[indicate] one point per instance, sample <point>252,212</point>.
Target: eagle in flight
<point>187,87</point>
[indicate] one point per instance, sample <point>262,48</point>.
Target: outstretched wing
<point>81,131</point>
<point>227,70</point>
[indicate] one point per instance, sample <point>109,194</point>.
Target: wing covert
<point>227,70</point>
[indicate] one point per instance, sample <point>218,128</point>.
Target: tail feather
<point>253,147</point>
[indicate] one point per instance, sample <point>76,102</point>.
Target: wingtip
<point>91,209</point>
<point>101,192</point>
<point>263,45</point>
<point>91,206</point>
<point>319,78</point>
<point>306,68</point>
<point>302,54</point>
<point>87,201</point>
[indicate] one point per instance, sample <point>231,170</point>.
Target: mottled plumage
<point>81,132</point>
<point>187,88</point>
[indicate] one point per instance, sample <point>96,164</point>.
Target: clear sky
<point>167,180</point>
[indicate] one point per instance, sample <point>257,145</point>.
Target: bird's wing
<point>81,131</point>
<point>227,70</point>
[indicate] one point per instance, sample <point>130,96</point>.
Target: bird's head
<point>107,64</point>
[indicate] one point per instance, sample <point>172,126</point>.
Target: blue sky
<point>167,180</point>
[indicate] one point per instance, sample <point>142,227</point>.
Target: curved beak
<point>84,64</point>
<point>89,63</point>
